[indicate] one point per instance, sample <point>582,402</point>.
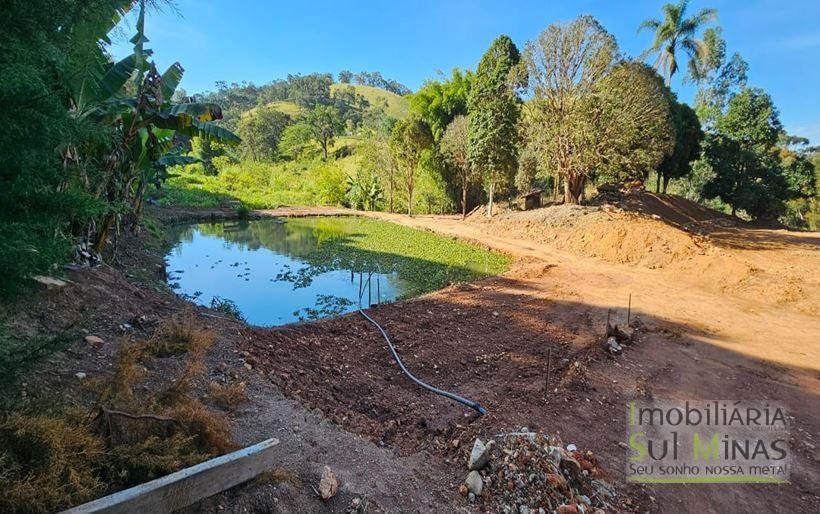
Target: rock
<point>328,485</point>
<point>80,375</point>
<point>480,455</point>
<point>572,447</point>
<point>523,509</point>
<point>612,345</point>
<point>222,366</point>
<point>248,366</point>
<point>628,333</point>
<point>471,497</point>
<point>474,482</point>
<point>94,341</point>
<point>555,455</point>
<point>572,466</point>
<point>462,490</point>
<point>567,509</point>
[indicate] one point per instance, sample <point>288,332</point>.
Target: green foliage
<point>438,103</point>
<point>494,109</point>
<point>455,150</point>
<point>743,155</point>
<point>409,138</point>
<point>632,126</point>
<point>226,306</point>
<point>261,131</point>
<point>563,119</point>
<point>675,33</point>
<point>296,140</point>
<point>331,184</point>
<point>688,138</point>
<point>424,260</point>
<point>364,191</point>
<point>325,123</point>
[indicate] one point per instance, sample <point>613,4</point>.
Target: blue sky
<point>410,41</point>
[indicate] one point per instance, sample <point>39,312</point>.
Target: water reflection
<point>278,272</point>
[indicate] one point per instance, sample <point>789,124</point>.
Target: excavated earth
<point>722,311</point>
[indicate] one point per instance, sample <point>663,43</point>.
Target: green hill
<point>395,106</point>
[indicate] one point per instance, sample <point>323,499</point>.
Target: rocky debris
<point>474,482</point>
<point>80,375</point>
<point>479,456</point>
<point>534,475</point>
<point>613,346</point>
<point>95,341</point>
<point>328,485</point>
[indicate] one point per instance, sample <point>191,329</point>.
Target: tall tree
<point>494,109</point>
<point>688,139</point>
<point>455,149</point>
<point>745,160</point>
<point>408,140</point>
<point>675,33</point>
<point>325,123</point>
<point>565,65</point>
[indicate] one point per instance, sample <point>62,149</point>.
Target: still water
<point>275,271</point>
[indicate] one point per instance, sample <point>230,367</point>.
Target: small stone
<point>328,485</point>
<point>222,366</point>
<point>80,375</point>
<point>94,341</point>
<point>572,448</point>
<point>248,366</point>
<point>555,455</point>
<point>474,482</point>
<point>613,346</point>
<point>523,509</point>
<point>471,497</point>
<point>479,456</point>
<point>49,282</point>
<point>462,490</point>
<point>572,466</point>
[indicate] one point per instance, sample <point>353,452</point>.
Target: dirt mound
<point>605,232</point>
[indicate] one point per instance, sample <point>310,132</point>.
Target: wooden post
<point>187,486</point>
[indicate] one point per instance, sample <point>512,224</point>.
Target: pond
<point>279,271</point>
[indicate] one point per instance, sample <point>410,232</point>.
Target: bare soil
<point>724,310</point>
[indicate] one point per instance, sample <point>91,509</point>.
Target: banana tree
<point>147,125</point>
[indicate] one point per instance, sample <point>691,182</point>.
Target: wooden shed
<point>532,199</point>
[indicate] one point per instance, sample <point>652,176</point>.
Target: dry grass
<point>228,396</point>
<point>48,463</point>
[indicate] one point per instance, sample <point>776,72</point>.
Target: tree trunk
<point>658,184</point>
<point>102,234</point>
<point>464,201</point>
<point>573,187</point>
<point>490,203</point>
<point>665,183</point>
<point>139,201</point>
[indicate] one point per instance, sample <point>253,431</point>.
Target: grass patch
<point>53,460</point>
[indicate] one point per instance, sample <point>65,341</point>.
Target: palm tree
<point>675,32</point>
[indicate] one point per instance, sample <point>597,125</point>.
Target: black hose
<point>460,399</point>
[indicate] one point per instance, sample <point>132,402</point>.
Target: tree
<point>261,130</point>
<point>494,109</point>
<point>376,159</point>
<point>408,140</point>
<point>632,125</point>
<point>438,103</point>
<point>455,149</point>
<point>345,76</point>
<point>324,122</point>
<point>296,139</point>
<point>674,33</point>
<point>565,65</point>
<point>744,158</point>
<point>688,139</point>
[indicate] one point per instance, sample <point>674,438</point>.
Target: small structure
<point>532,199</point>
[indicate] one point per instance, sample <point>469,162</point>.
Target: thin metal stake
<point>629,310</point>
<point>549,370</point>
<point>378,290</point>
